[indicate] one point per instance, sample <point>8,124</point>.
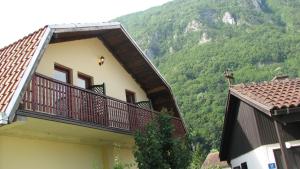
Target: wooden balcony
<point>47,97</point>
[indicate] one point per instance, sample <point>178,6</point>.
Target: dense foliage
<point>263,42</point>
<point>156,148</point>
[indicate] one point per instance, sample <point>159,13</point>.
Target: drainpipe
<point>285,156</point>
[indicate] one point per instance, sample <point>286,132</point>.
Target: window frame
<point>87,78</point>
<point>132,93</point>
<point>244,165</point>
<point>66,70</point>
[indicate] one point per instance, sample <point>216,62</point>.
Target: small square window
<point>130,96</point>
<point>244,165</point>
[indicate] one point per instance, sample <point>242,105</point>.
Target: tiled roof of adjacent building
<point>279,97</point>
<point>213,160</point>
<point>276,94</point>
<point>14,59</point>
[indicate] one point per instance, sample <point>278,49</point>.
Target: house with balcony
<point>262,124</point>
<point>73,95</point>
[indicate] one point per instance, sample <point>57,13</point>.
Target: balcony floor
<point>37,128</point>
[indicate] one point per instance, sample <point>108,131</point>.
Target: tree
<point>197,157</point>
<point>156,147</point>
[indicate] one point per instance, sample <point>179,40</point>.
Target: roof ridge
<point>21,39</point>
<point>81,25</point>
<point>252,83</point>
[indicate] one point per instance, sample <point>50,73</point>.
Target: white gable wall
<point>260,157</point>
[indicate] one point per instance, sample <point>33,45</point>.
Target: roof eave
<point>156,71</point>
<point>72,25</point>
<point>151,65</point>
<point>61,28</point>
<point>252,102</point>
<point>285,111</point>
<point>222,153</point>
<point>12,107</point>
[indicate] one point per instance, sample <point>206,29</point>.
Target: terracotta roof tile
<point>275,94</point>
<point>213,160</point>
<point>14,59</point>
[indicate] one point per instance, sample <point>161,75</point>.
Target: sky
<point>21,17</point>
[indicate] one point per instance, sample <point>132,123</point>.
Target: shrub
<point>157,148</point>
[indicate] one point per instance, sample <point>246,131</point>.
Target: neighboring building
<point>72,96</point>
<point>212,161</point>
<point>262,125</point>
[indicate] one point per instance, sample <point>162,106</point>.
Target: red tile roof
<point>14,59</point>
<point>277,94</point>
<point>213,160</point>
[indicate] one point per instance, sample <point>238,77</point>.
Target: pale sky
<point>21,17</point>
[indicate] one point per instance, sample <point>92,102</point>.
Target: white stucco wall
<point>260,157</point>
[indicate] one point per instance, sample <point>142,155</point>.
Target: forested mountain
<point>193,42</point>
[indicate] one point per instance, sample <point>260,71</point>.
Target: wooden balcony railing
<point>48,96</point>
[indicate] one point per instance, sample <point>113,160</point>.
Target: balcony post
<point>131,118</point>
<point>34,88</point>
<point>106,116</point>
<point>69,101</point>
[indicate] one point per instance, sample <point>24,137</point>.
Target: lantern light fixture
<point>101,60</point>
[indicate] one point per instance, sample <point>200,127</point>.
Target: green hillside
<point>192,44</point>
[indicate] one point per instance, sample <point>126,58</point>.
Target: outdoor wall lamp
<point>101,60</point>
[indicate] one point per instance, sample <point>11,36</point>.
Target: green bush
<point>119,166</point>
<point>157,148</point>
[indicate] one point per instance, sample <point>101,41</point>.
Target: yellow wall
<point>126,157</point>
<point>17,153</point>
<point>25,153</point>
<point>82,56</point>
<point>18,150</point>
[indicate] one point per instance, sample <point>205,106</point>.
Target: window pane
<point>81,83</point>
<point>130,97</point>
<point>61,76</point>
<point>244,165</point>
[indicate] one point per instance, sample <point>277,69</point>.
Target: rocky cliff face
<point>193,26</point>
<point>228,18</point>
<point>259,5</point>
<point>204,38</point>
<point>164,31</point>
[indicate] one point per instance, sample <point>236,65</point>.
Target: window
<point>244,165</point>
<point>84,81</point>
<point>130,96</point>
<point>62,73</point>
